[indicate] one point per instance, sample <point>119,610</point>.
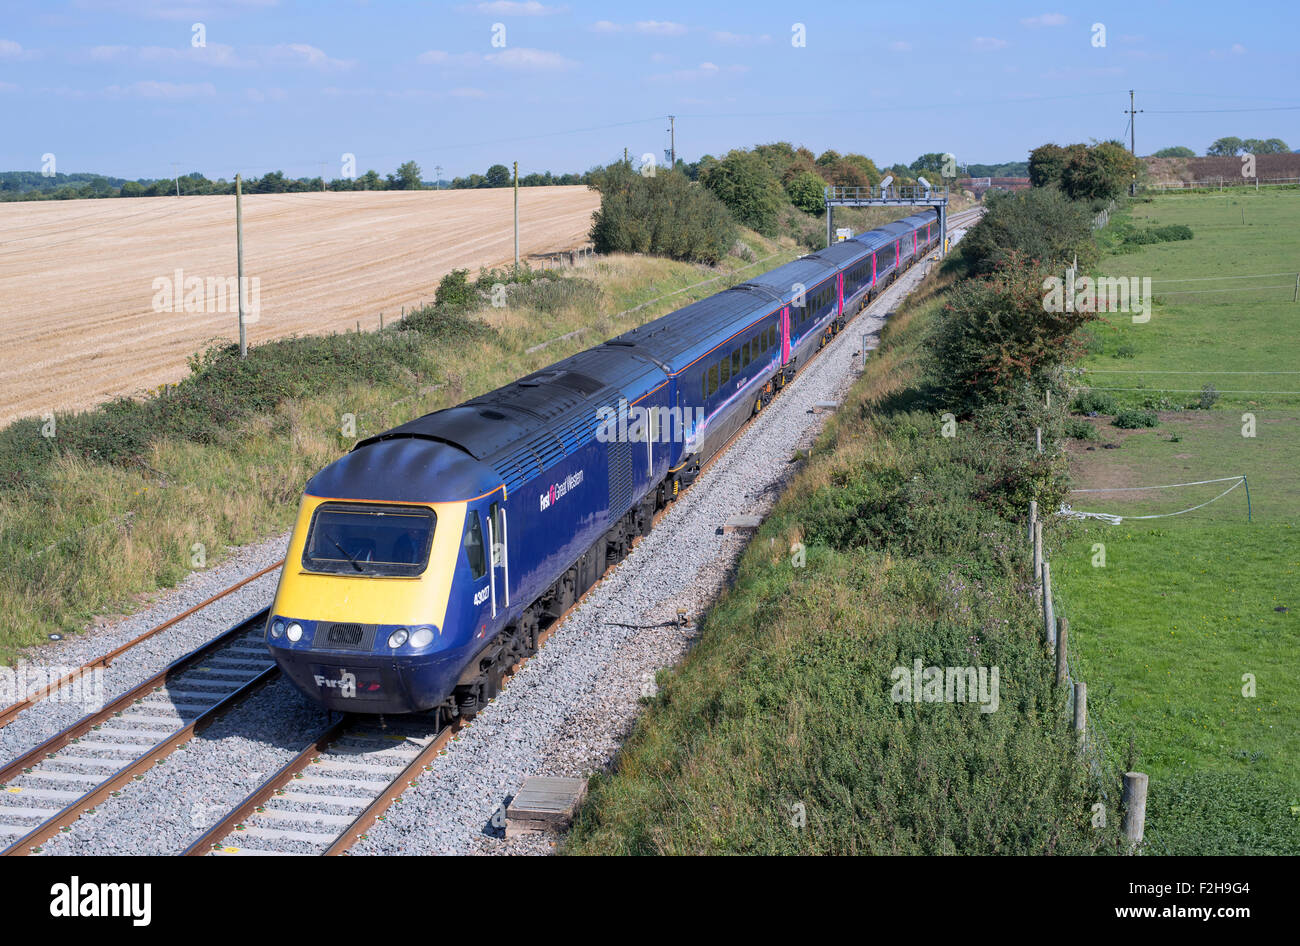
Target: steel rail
<point>9,713</point>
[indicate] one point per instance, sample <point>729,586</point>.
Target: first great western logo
<point>559,490</point>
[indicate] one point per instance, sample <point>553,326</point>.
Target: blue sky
<point>118,87</point>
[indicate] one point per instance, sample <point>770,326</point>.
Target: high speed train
<point>425,563</point>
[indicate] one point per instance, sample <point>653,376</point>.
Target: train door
<point>499,563</point>
<point>873,270</point>
<point>839,291</point>
<point>785,335</point>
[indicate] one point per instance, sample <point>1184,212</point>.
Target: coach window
<point>735,362</point>
<point>474,547</point>
<point>726,373</point>
<point>713,378</point>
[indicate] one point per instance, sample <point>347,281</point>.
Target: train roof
<point>518,430</point>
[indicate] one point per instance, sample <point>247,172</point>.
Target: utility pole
<point>437,177</point>
<point>1132,126</point>
<point>322,177</point>
<point>625,161</point>
<point>1132,138</point>
<point>177,175</point>
<point>516,215</point>
<point>239,242</point>
<point>672,140</point>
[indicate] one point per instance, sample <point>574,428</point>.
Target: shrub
<point>664,215</point>
<point>807,192</point>
<point>455,290</point>
<point>1080,429</point>
<point>1134,419</point>
<point>1126,351</point>
<point>993,335</point>
<point>1093,402</point>
<point>1209,396</point>
<point>1174,231</point>
<point>1039,224</point>
<point>749,188</point>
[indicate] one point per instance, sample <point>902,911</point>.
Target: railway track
<point>11,712</point>
<point>47,788</point>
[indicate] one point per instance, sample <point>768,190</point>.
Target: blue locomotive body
<point>426,562</point>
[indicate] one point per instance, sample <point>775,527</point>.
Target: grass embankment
<point>1185,607</point>
<point>778,734</point>
<point>115,503</point>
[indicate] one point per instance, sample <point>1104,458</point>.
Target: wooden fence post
<point>1134,801</point>
<point>1062,630</point>
<point>1038,551</point>
<point>1049,618</point>
<point>1033,517</point>
<point>1081,711</point>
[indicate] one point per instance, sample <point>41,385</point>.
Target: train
<point>428,561</point>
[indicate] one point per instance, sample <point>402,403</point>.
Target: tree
<point>1102,172</point>
<point>807,192</point>
<point>1047,164</point>
<point>1177,151</point>
<point>1039,224</point>
<point>406,178</point>
<point>1259,146</point>
<point>744,182</point>
<point>498,175</point>
<point>665,215</point>
<point>1224,147</point>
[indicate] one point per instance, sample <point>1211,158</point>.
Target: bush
<point>455,290</point>
<point>1080,429</point>
<point>1174,231</point>
<point>664,215</point>
<point>1134,419</point>
<point>1093,402</point>
<point>749,188</point>
<point>1038,224</point>
<point>994,335</point>
<point>807,191</point>
<point>1209,396</point>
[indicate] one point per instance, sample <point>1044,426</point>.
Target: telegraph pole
<point>239,242</point>
<point>1132,138</point>
<point>437,177</point>
<point>516,215</point>
<point>1132,125</point>
<point>672,140</point>
<point>177,175</point>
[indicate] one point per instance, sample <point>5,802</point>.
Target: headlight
<point>294,632</point>
<point>398,637</point>
<point>422,638</point>
<point>277,628</point>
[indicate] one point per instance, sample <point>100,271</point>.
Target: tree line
<point>1229,146</point>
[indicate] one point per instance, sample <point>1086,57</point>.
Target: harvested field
<point>78,311</point>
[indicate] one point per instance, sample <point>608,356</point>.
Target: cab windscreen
<point>369,539</point>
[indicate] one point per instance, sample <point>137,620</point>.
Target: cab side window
<point>498,533</point>
<point>473,542</point>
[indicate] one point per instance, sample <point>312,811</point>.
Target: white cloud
<point>989,42</point>
<point>14,51</point>
<point>302,54</point>
<point>1045,19</point>
<point>440,57</point>
<point>523,59</point>
<point>705,70</point>
<point>900,46</point>
<point>215,54</point>
<point>648,27</point>
<point>8,87</point>
<point>511,8</point>
<point>170,91</point>
<point>1236,49</point>
<point>740,39</point>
